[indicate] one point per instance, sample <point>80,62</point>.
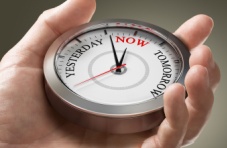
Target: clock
<point>111,75</point>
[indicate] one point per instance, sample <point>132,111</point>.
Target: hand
<point>101,74</point>
<point>115,55</point>
<point>27,119</point>
<point>122,57</point>
<point>114,52</point>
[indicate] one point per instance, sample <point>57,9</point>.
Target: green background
<point>18,15</point>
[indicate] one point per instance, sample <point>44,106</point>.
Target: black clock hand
<point>114,52</point>
<point>122,57</point>
<point>121,61</point>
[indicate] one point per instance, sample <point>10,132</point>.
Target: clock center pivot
<point>119,71</point>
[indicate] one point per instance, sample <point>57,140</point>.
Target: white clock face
<point>118,65</point>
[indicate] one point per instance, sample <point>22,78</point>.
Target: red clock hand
<point>118,67</point>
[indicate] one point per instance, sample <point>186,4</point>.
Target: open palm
<point>28,120</point>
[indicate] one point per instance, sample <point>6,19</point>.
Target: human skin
<point>28,120</point>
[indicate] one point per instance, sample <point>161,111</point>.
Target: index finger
<point>195,31</point>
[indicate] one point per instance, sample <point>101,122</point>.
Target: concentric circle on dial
<point>141,65</point>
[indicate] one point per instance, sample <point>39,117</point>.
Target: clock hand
<point>114,52</point>
<point>118,67</point>
<point>121,61</point>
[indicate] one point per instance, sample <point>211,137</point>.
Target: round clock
<point>111,75</point>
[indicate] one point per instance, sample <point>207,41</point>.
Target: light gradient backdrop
<point>18,15</point>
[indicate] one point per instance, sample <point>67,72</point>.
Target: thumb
<point>30,51</point>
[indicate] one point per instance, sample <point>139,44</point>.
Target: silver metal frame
<point>108,118</point>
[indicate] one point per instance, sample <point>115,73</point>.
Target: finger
<point>195,31</point>
<point>172,130</point>
<point>199,102</point>
<point>47,28</point>
<point>202,55</point>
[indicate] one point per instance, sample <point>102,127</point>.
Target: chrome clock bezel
<point>77,102</point>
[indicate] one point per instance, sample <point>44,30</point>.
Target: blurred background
<point>18,16</point>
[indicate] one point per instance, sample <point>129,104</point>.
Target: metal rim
<point>77,102</point>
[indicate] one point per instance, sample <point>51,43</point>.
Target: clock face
<point>118,64</point>
<point>114,73</point>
